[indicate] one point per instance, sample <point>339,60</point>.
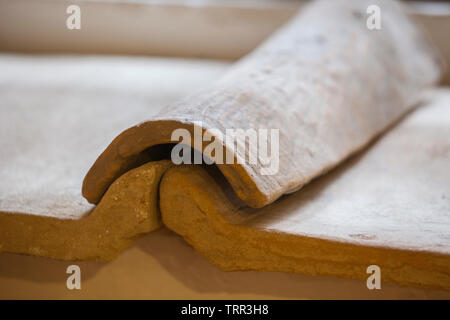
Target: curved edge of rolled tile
<point>129,208</point>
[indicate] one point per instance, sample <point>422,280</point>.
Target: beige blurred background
<point>217,29</point>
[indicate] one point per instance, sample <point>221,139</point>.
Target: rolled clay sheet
<point>330,85</point>
<point>326,81</point>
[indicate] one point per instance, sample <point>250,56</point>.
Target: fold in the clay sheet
<point>330,85</point>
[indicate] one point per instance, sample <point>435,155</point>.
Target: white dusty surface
<point>394,194</point>
<point>77,95</point>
